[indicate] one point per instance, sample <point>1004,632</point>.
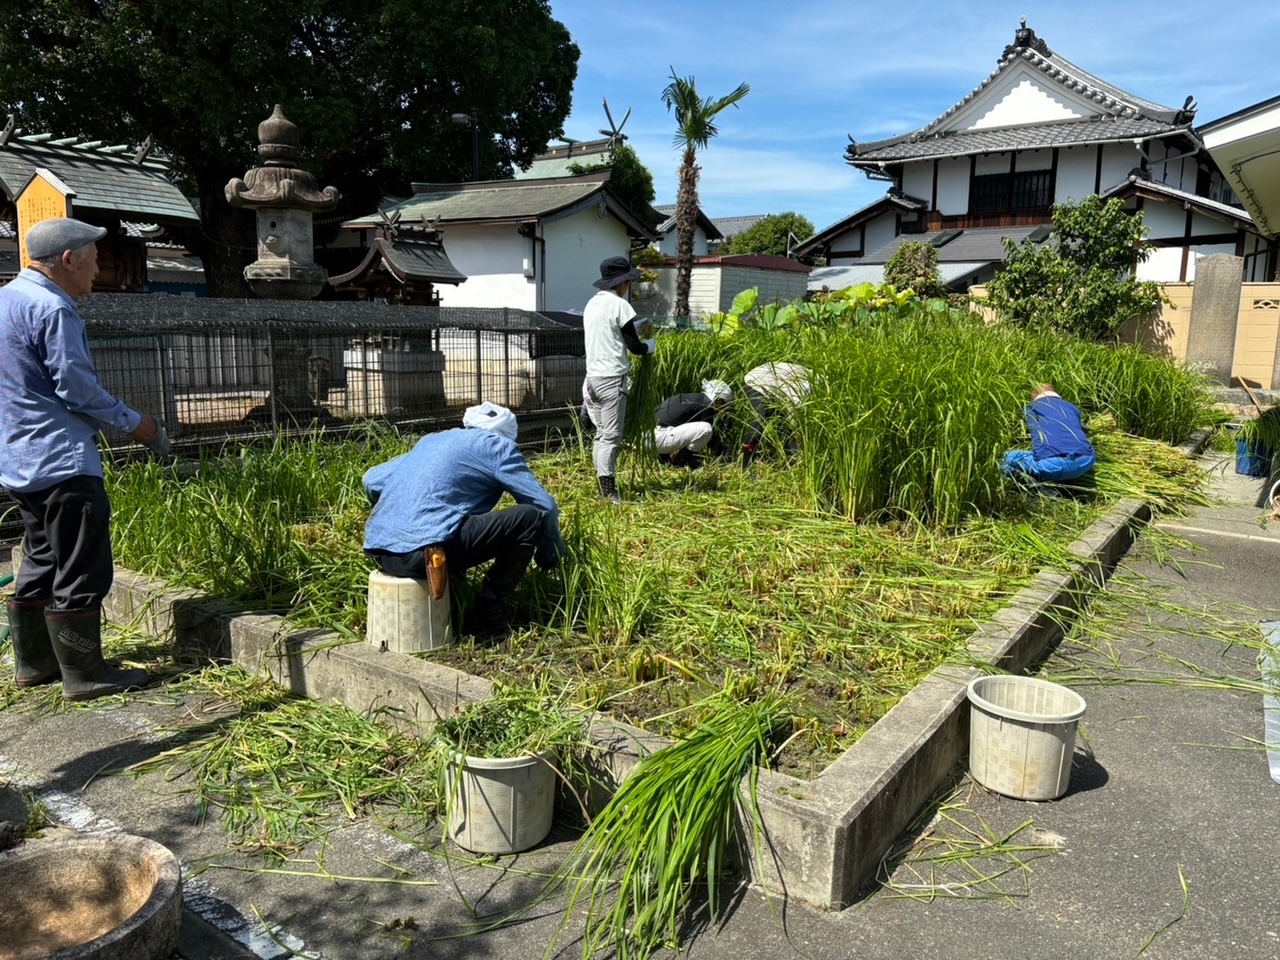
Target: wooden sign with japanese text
<point>43,198</point>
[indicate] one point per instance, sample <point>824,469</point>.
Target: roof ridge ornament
<point>1024,38</point>
<point>1188,112</point>
<point>144,151</point>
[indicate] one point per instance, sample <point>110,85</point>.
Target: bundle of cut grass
<point>669,831</point>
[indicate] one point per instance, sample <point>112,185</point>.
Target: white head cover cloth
<point>717,390</point>
<point>491,416</point>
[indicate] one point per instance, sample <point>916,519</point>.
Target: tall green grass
<point>842,575</point>
<point>281,526</point>
<point>909,415</point>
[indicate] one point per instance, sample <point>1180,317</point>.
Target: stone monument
<point>284,197</point>
<point>1215,311</point>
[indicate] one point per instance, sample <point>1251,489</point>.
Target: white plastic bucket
<point>403,617</point>
<point>500,806</point>
<point>1022,734</point>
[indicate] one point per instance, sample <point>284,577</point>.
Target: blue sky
<point>820,71</point>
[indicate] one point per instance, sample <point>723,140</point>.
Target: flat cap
<point>49,238</point>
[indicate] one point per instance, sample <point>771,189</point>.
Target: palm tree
<point>695,126</point>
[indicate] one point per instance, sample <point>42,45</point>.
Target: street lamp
<point>472,121</point>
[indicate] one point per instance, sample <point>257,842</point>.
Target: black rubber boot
<point>33,659</point>
<point>76,636</point>
<point>609,489</point>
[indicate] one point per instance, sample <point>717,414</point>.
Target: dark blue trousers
<point>66,546</point>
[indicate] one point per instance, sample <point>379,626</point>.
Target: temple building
<point>1039,130</point>
<point>122,188</point>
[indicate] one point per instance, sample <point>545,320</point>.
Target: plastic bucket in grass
<point>1022,734</point>
<point>1252,458</point>
<point>500,806</point>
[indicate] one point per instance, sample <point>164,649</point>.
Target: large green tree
<point>776,233</point>
<point>370,83</point>
<point>695,128</point>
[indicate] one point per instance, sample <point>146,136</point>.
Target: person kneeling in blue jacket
<point>1060,450</point>
<point>442,494</point>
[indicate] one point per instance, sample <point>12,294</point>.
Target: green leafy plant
<point>647,257</point>
<point>1081,281</point>
<point>1263,430</point>
<point>914,266</point>
<point>630,179</point>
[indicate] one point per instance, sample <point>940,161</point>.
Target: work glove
<point>651,345</point>
<point>159,444</point>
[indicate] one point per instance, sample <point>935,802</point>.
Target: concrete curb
<point>825,837</point>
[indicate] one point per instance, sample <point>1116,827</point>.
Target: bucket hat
<point>616,271</point>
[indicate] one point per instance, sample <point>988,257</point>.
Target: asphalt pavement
<point>1165,845</point>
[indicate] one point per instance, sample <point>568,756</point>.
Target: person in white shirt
<point>774,389</point>
<point>608,325</point>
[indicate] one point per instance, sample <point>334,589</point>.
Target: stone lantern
<point>285,198</point>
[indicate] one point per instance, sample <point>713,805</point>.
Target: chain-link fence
<point>218,368</point>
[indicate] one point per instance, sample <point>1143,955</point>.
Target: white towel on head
<point>491,416</point>
<point>717,390</point>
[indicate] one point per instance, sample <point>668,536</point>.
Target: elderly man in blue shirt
<point>442,494</point>
<point>51,409</point>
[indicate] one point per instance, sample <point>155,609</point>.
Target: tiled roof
<point>969,245</point>
<point>1119,114</point>
<point>557,161</point>
<point>668,213</point>
<point>918,146</point>
<point>891,200</point>
<point>837,278</point>
<point>407,258</point>
<point>105,179</point>
<point>503,201</point>
<point>732,226</point>
<point>764,261</point>
<point>150,232</point>
<point>1161,190</point>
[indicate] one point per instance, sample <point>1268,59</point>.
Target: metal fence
<point>212,368</point>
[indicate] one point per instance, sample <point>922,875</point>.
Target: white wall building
<point>715,281</point>
<point>1041,130</point>
<point>532,244</point>
<point>705,233</point>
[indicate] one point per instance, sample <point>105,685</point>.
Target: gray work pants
<point>606,402</point>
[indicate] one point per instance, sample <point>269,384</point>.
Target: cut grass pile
<point>280,769</point>
<point>838,579</point>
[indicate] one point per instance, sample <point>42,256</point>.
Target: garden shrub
<point>914,265</point>
<point>1081,280</point>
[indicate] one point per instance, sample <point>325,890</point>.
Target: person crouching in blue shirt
<point>1060,450</point>
<point>442,494</point>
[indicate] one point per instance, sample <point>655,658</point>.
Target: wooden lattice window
<point>1001,192</point>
